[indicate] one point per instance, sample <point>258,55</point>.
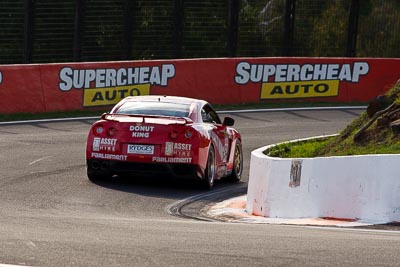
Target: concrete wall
<point>364,187</point>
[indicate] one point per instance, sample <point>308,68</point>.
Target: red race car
<point>164,135</point>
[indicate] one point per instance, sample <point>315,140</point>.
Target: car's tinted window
<point>209,115</point>
<point>155,108</point>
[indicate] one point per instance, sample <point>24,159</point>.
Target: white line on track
<point>291,109</point>
<point>49,120</point>
<point>220,112</point>
<point>10,265</point>
<point>351,229</point>
<point>36,161</point>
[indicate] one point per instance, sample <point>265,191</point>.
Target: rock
<point>382,122</point>
<point>395,126</point>
<point>393,115</point>
<point>377,104</point>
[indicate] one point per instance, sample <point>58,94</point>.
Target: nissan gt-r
<point>164,136</point>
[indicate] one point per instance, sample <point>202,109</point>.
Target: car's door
<point>219,135</point>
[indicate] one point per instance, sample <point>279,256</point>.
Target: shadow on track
<point>162,187</point>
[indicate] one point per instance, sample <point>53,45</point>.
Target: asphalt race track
<point>51,215</point>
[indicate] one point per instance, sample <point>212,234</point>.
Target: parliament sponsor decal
<point>172,160</point>
<point>109,156</point>
<point>107,86</point>
<point>299,80</point>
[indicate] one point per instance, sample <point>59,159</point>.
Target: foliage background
<point>107,30</point>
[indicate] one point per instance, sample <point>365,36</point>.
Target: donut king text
<point>299,81</point>
<point>108,86</point>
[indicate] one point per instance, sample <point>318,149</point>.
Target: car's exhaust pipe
<point>104,166</point>
<point>95,165</point>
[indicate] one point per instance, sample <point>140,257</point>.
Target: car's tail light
<point>111,132</point>
<point>173,134</point>
<point>98,129</point>
<point>188,134</point>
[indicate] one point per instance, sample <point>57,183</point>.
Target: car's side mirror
<point>228,121</point>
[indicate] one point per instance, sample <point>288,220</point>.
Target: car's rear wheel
<point>237,170</point>
<point>209,176</point>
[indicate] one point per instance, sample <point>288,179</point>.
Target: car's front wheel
<point>237,169</point>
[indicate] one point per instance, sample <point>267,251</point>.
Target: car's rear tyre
<point>237,169</point>
<point>209,177</point>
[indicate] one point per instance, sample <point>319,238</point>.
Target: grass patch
<point>385,143</point>
<point>376,140</point>
<point>303,149</point>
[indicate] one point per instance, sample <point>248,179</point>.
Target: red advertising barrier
<point>77,86</point>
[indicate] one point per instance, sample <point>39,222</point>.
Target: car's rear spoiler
<point>108,117</point>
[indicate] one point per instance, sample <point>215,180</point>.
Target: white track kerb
<point>364,188</point>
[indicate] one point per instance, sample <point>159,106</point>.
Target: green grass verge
<point>304,149</point>
<point>376,140</point>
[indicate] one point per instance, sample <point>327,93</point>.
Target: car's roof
<point>164,98</point>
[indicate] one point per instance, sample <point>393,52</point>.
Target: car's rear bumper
<point>176,170</point>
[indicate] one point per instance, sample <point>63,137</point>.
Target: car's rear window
<point>155,108</point>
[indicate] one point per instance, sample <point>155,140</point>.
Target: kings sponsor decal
<point>299,80</point>
<point>108,86</point>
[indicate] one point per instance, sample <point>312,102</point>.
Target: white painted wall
<point>353,187</point>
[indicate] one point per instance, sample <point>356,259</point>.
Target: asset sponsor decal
<point>177,149</point>
<point>141,149</point>
<point>109,156</point>
<point>299,80</point>
<point>295,173</point>
<point>141,131</point>
<point>96,144</point>
<point>172,160</point>
<point>169,148</point>
<point>106,144</point>
<point>109,85</point>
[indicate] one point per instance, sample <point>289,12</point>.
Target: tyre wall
<point>78,86</point>
<point>351,187</point>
